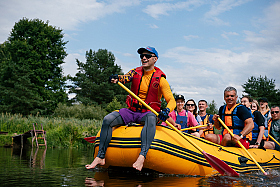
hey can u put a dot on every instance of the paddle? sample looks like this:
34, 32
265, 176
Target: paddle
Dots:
195, 127
240, 144
216, 163
273, 139
90, 139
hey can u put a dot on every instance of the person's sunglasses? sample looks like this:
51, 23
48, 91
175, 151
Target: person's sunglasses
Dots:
146, 55
276, 112
189, 104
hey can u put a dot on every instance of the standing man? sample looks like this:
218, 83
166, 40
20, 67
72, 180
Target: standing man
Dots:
207, 119
149, 84
274, 129
237, 117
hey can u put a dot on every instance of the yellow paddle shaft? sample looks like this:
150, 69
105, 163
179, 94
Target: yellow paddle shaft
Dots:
240, 144
273, 139
195, 127
152, 110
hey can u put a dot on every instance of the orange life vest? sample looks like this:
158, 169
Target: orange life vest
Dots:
235, 124
152, 94
268, 129
207, 131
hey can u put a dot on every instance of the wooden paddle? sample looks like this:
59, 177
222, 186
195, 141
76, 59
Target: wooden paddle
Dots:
195, 127
240, 144
273, 139
216, 163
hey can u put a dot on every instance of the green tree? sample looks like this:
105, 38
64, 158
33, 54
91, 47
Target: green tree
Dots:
163, 102
212, 108
91, 84
30, 71
262, 87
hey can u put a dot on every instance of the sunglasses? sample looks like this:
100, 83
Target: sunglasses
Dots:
189, 104
146, 55
276, 112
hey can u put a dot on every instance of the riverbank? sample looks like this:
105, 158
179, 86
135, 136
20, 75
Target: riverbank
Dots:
60, 132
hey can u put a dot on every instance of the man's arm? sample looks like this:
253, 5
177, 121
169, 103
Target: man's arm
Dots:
170, 120
259, 119
127, 77
167, 94
249, 125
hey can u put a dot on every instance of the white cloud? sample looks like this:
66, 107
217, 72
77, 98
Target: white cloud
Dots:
70, 66
205, 73
153, 26
227, 34
219, 7
269, 37
66, 14
159, 9
128, 55
189, 37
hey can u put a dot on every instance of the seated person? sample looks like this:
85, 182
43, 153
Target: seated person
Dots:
207, 119
264, 108
273, 129
237, 117
259, 124
180, 118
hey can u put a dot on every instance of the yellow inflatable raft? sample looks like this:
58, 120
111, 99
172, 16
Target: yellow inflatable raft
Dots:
172, 154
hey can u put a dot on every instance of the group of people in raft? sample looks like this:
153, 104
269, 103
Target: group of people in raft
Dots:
249, 122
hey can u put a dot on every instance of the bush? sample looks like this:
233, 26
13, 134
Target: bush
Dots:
79, 111
114, 105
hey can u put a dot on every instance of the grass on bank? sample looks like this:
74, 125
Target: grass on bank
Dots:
67, 127
60, 132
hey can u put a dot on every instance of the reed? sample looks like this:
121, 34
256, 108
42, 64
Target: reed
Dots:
61, 132
79, 111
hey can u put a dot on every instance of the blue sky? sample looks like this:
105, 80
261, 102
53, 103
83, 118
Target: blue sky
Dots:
204, 46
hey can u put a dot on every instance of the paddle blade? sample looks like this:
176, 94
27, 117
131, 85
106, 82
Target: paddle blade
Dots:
220, 165
90, 139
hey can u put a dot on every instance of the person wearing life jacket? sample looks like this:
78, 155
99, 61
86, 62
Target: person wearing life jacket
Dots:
149, 84
255, 105
264, 108
259, 124
207, 119
237, 117
273, 129
181, 118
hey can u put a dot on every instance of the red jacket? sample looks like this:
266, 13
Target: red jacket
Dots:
152, 94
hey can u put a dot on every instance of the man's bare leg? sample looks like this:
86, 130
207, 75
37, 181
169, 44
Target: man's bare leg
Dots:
96, 161
139, 163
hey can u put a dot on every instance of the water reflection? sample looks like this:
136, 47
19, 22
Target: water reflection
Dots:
34, 156
93, 182
129, 177
65, 167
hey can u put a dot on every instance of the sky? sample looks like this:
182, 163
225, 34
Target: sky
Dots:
204, 46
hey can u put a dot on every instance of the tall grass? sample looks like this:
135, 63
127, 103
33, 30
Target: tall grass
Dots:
60, 132
79, 111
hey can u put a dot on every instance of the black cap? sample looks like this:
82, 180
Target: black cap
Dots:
179, 97
264, 99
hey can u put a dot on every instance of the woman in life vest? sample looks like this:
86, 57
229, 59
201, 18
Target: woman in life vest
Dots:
259, 124
181, 118
191, 106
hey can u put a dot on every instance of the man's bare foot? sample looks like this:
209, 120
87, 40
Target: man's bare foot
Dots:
139, 163
95, 162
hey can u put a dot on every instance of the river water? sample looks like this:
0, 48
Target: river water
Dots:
65, 167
